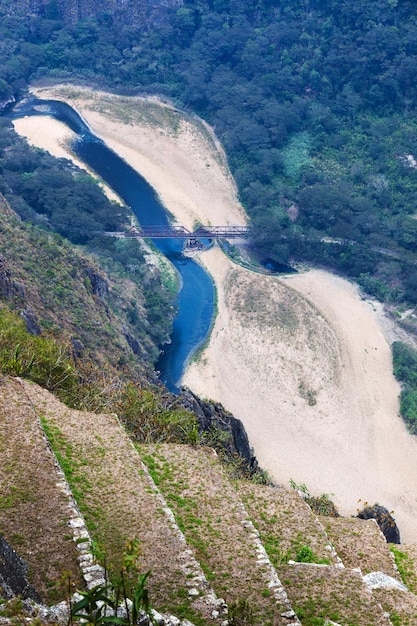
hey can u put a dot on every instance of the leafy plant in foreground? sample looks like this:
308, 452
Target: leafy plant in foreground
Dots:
93, 606
100, 604
121, 603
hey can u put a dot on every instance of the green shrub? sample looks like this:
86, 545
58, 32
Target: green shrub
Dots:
405, 363
40, 359
148, 418
322, 505
305, 555
404, 359
408, 408
240, 613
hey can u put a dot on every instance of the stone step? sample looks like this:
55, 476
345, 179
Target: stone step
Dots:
34, 508
209, 510
360, 544
331, 593
288, 528
401, 606
121, 504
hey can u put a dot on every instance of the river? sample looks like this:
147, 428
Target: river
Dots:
195, 300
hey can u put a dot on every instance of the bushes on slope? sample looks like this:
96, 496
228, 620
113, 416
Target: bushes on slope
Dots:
405, 370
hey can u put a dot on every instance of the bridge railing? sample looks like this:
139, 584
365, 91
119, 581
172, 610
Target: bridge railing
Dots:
180, 232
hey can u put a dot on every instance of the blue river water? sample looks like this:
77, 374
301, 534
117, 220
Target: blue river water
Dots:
195, 300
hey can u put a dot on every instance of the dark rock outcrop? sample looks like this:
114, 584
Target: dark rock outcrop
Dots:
9, 288
13, 572
226, 429
133, 343
99, 285
31, 322
77, 348
384, 520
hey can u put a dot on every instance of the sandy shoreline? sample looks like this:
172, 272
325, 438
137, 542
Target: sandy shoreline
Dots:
302, 361
55, 137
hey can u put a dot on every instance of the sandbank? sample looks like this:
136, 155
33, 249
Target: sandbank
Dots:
176, 153
302, 361
55, 137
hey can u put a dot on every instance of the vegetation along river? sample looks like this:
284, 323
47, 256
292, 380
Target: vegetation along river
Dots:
195, 300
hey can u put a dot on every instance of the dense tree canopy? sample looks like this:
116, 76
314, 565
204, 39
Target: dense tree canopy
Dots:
314, 102
57, 196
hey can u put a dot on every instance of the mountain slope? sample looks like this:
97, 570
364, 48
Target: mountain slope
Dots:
63, 291
219, 523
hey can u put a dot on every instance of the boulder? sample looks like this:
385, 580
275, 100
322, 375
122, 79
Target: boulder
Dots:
379, 580
13, 570
384, 520
31, 322
231, 435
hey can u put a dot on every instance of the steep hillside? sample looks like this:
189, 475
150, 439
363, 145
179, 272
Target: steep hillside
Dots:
59, 289
212, 544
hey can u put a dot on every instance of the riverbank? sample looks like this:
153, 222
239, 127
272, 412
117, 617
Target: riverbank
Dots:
55, 137
178, 155
302, 361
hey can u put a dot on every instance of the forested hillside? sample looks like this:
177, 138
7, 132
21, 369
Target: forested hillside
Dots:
314, 102
123, 297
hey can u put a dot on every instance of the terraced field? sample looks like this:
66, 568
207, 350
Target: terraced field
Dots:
210, 542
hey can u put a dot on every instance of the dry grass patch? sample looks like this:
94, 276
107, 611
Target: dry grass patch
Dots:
360, 543
401, 605
286, 524
34, 512
319, 592
115, 496
209, 512
306, 357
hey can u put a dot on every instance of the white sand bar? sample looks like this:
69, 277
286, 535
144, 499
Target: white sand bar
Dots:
55, 137
311, 379
302, 361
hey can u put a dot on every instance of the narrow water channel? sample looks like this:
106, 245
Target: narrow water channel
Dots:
195, 300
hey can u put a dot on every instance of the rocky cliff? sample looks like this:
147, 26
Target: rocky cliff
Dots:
134, 12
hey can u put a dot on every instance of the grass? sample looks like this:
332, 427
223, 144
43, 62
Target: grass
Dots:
33, 510
196, 488
72, 464
359, 543
333, 594
286, 526
406, 567
116, 498
207, 510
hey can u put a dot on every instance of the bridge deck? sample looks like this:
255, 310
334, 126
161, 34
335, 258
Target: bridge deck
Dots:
179, 232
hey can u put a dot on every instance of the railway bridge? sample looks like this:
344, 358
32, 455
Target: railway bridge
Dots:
180, 232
